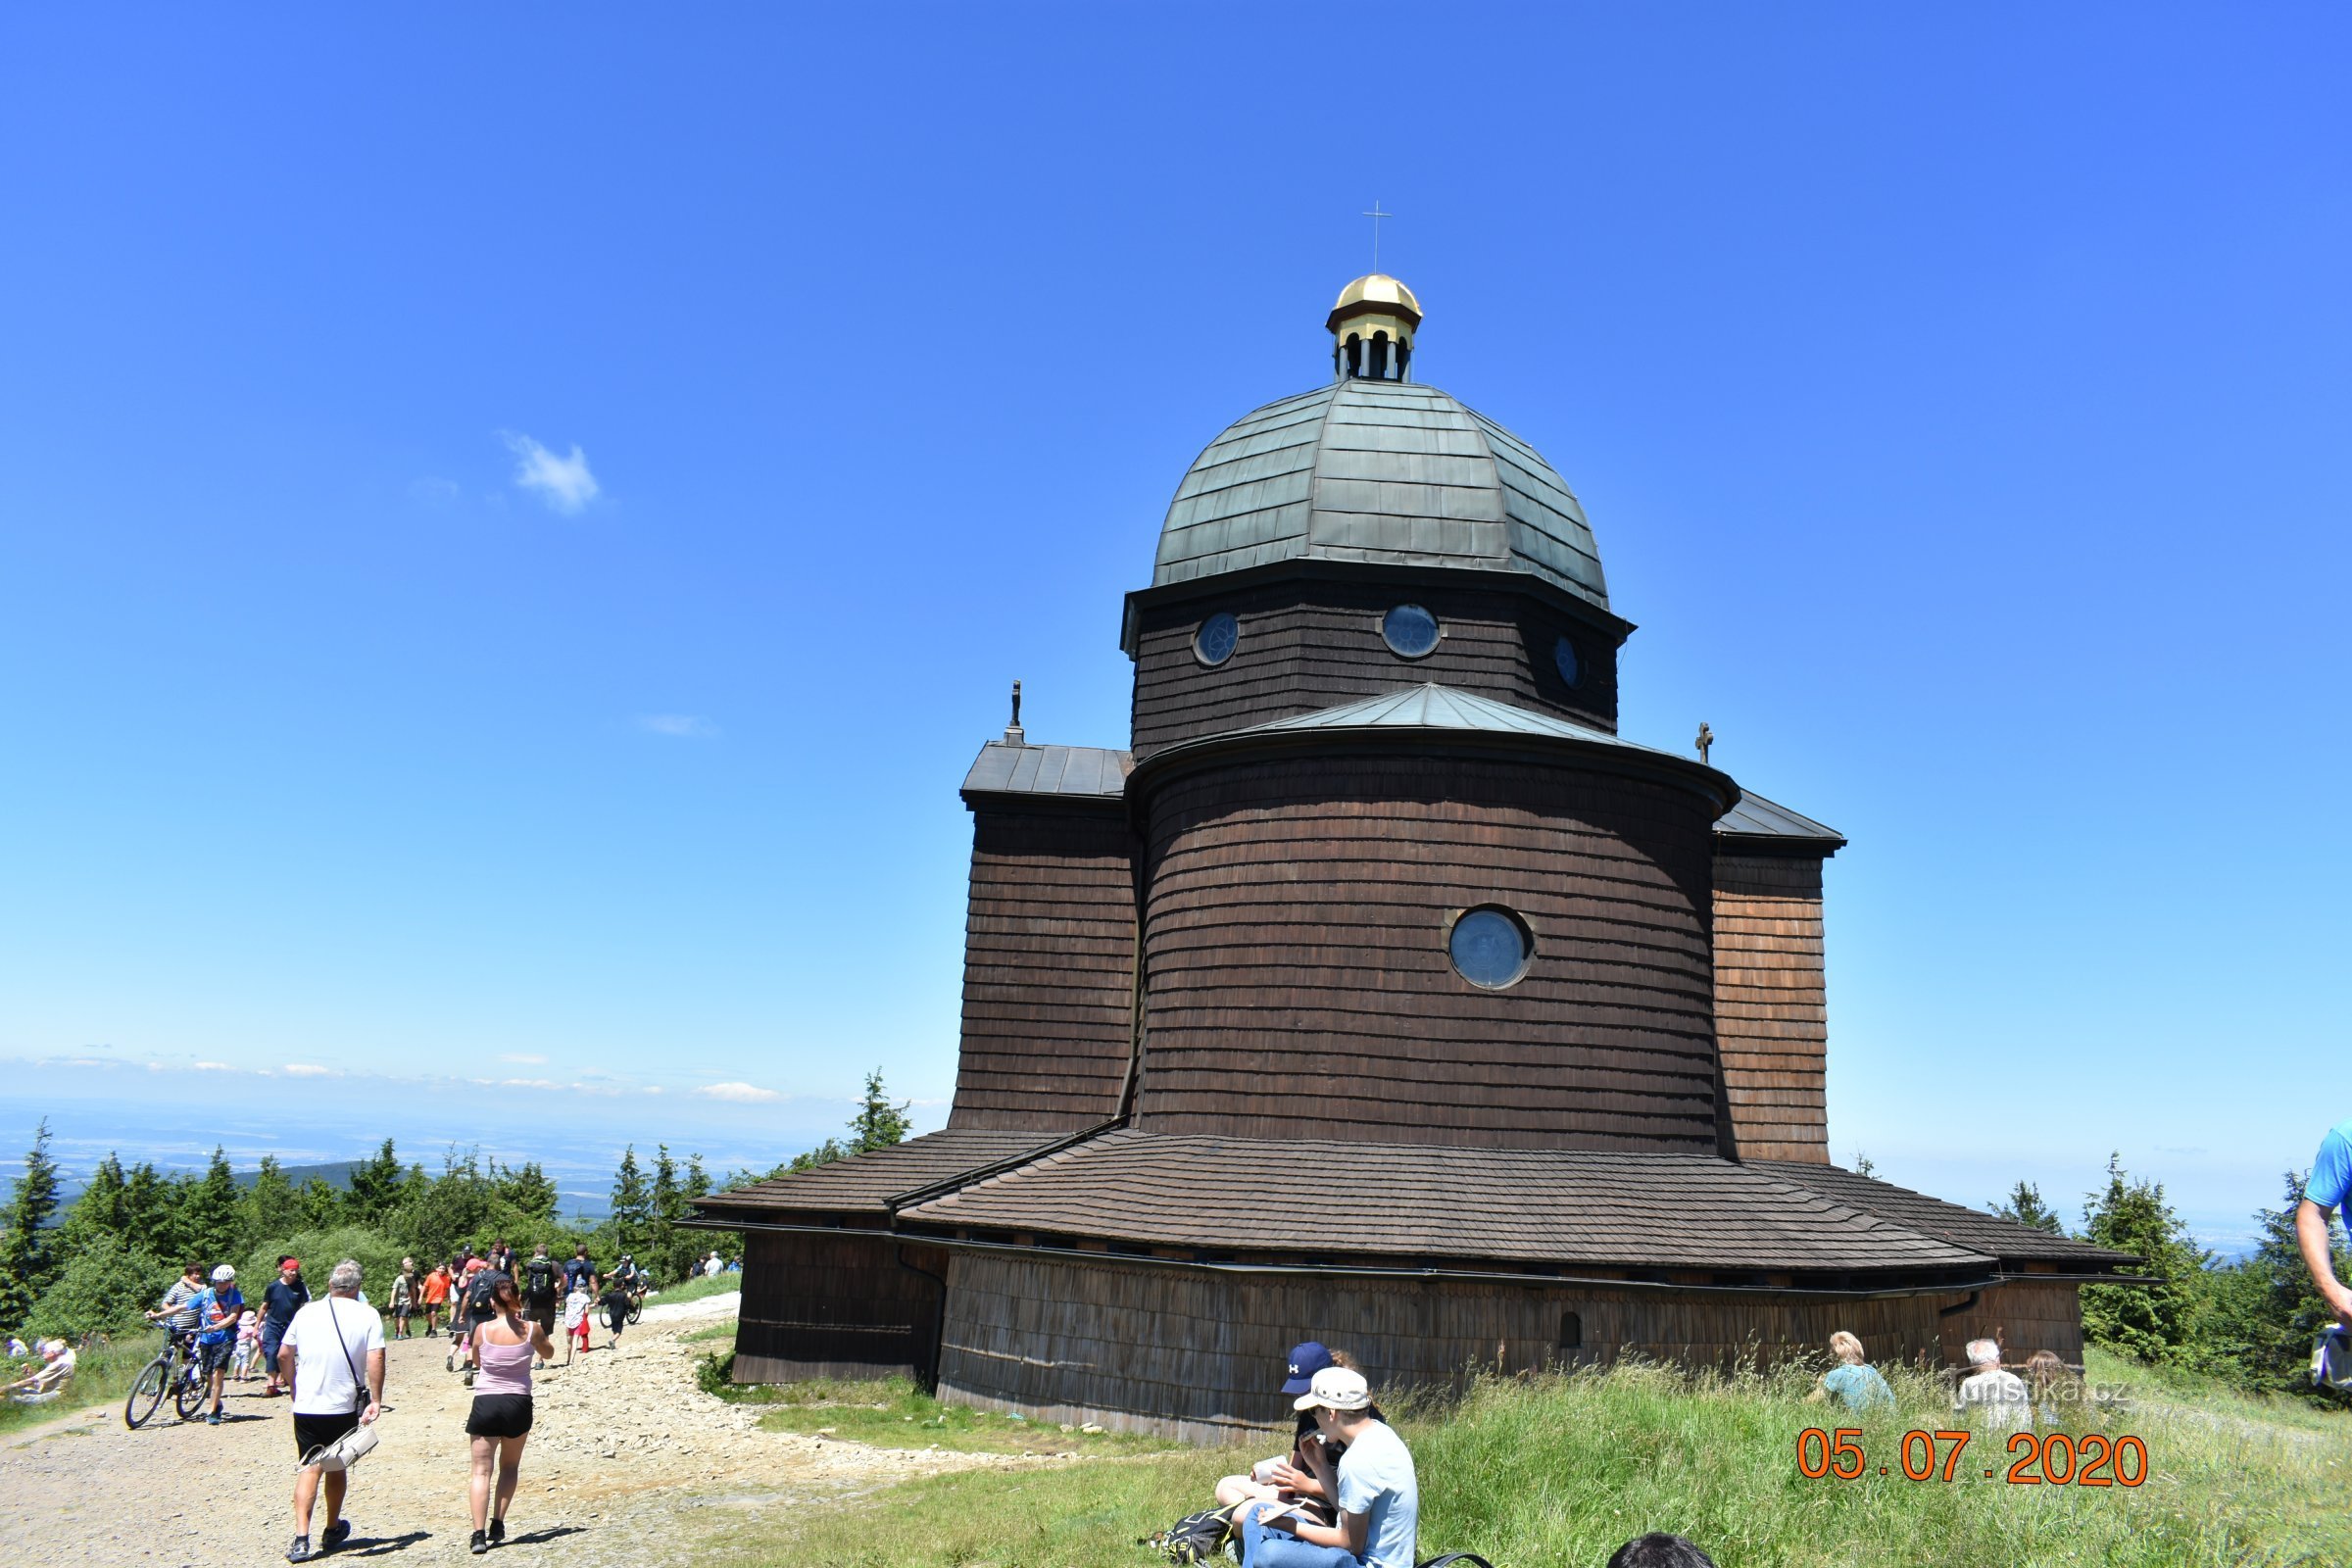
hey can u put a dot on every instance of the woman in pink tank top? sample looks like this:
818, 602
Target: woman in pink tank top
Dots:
501, 1350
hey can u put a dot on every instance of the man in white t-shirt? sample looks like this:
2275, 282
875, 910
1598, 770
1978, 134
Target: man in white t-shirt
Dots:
1378, 1495
333, 1358
1998, 1400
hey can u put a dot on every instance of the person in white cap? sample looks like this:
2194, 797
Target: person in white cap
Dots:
1378, 1495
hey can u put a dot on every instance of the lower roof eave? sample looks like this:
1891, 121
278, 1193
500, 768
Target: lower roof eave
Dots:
1851, 1285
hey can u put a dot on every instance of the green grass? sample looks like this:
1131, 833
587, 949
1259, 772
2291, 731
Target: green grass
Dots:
694, 1290
892, 1413
717, 1331
1560, 1471
102, 1376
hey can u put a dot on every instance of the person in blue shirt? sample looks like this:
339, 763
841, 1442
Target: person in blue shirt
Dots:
218, 1310
1853, 1382
1373, 1484
2329, 1184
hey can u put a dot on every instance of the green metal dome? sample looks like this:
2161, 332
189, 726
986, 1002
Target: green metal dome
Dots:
1389, 471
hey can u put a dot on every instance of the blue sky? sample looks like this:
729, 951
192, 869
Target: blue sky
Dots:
512, 526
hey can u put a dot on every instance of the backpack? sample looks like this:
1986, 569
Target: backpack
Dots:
1196, 1537
541, 1274
477, 1295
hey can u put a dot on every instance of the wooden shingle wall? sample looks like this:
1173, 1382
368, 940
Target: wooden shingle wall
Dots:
1198, 1356
2025, 1315
1307, 645
844, 1305
1297, 977
1049, 970
1771, 1004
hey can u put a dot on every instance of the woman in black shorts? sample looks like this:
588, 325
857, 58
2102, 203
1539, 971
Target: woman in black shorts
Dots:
502, 1350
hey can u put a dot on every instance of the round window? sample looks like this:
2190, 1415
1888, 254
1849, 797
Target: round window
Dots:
1409, 630
1490, 948
1563, 654
1215, 642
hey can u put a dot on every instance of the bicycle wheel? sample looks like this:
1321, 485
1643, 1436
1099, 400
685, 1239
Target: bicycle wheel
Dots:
636, 1308
188, 1391
145, 1395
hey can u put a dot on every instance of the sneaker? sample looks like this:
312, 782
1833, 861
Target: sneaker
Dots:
213, 1420
334, 1534
300, 1551
478, 1546
498, 1531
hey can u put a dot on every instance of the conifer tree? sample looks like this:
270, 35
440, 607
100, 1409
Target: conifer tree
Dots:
2256, 1319
2149, 1321
878, 1123
272, 1208
375, 1185
98, 1216
632, 1205
151, 1213
318, 1205
28, 1250
211, 1218
2026, 1208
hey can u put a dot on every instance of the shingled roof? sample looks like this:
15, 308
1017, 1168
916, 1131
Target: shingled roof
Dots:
864, 1183
1518, 1206
1931, 1217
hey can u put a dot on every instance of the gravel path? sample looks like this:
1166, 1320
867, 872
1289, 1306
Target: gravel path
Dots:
629, 1463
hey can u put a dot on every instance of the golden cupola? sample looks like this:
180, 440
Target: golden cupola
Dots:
1372, 329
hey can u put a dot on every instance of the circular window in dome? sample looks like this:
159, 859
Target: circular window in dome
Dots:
1490, 946
1410, 631
1215, 641
1563, 657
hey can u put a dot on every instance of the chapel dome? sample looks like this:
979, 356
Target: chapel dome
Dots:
1389, 471
1377, 290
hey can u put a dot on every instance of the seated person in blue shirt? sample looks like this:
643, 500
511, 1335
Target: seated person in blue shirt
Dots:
2331, 1183
1378, 1496
1853, 1382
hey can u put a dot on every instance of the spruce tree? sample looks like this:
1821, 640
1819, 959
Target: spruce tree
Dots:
2149, 1321
212, 1220
151, 1214
272, 1208
29, 1258
2026, 1208
878, 1123
632, 1205
375, 1185
98, 1217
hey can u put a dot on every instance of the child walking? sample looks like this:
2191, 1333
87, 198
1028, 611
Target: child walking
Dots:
579, 1313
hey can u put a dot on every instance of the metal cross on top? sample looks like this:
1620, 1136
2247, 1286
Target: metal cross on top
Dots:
1376, 215
1706, 740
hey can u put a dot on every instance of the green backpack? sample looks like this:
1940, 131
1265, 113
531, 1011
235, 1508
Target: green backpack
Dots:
1196, 1537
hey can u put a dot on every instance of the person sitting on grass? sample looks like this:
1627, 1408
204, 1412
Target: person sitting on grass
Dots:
2051, 1386
1997, 1398
1853, 1382
1658, 1550
56, 1371
1373, 1484
1261, 1484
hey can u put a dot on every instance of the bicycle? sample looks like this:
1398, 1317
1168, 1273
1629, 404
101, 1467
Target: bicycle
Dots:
176, 1370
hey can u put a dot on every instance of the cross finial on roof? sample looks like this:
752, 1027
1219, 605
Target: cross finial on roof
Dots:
1706, 740
1013, 735
1376, 215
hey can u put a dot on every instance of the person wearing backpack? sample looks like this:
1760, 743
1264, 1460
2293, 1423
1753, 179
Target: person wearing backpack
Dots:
542, 1281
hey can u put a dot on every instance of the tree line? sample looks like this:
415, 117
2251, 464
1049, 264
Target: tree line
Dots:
2250, 1321
95, 1265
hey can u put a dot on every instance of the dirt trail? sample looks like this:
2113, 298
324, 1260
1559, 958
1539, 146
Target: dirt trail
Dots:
629, 1463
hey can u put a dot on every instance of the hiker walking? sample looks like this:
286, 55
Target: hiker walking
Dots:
332, 1357
503, 1351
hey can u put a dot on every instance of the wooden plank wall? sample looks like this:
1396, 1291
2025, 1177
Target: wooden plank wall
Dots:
1308, 644
2025, 1315
1295, 935
1049, 970
816, 1305
1198, 1356
1772, 1006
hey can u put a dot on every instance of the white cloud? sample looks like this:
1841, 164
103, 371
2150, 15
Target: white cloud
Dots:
741, 1094
524, 1058
214, 1067
563, 483
527, 1083
304, 1069
677, 726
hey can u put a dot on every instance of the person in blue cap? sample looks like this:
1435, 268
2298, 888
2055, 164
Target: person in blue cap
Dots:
1286, 1477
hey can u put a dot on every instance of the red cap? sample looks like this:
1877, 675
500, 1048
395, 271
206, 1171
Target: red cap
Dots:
291, 1262
474, 1266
